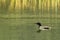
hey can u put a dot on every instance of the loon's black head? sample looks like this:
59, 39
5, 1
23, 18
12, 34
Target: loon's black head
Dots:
39, 24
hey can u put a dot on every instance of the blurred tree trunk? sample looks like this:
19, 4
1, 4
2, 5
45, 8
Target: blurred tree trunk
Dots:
37, 6
7, 4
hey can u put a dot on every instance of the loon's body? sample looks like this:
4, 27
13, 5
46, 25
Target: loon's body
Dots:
44, 28
40, 27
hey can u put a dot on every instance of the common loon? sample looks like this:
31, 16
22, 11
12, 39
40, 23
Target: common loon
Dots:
40, 27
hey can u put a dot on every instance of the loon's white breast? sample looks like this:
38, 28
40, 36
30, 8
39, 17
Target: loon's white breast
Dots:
44, 28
